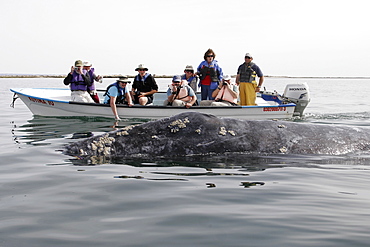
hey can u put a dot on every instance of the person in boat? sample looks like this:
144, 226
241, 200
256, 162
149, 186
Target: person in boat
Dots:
190, 77
226, 94
78, 83
210, 74
93, 78
180, 94
246, 80
117, 93
144, 87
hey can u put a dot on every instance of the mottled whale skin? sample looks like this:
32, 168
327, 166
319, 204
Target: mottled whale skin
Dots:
193, 133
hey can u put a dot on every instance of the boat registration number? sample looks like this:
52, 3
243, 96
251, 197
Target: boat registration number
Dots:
41, 101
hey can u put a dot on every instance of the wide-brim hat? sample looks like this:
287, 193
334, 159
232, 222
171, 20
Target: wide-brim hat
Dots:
248, 55
87, 63
123, 79
141, 66
78, 63
226, 77
189, 68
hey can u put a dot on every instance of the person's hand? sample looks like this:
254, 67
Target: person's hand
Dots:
188, 105
72, 69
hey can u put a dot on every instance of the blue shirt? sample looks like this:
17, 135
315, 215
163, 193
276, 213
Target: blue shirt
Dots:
113, 92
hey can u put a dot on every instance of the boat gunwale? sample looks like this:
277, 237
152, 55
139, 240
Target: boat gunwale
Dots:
140, 106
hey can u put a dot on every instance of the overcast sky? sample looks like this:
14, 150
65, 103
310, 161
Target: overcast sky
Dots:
285, 37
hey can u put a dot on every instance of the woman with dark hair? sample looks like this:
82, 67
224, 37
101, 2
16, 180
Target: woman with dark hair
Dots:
210, 73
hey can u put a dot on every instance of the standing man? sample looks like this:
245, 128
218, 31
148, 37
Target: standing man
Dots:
144, 86
78, 83
246, 79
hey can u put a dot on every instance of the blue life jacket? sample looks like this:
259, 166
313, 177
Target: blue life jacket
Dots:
120, 99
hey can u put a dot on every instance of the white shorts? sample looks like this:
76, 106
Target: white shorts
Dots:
81, 96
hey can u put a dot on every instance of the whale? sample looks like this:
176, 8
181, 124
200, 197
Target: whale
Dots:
197, 134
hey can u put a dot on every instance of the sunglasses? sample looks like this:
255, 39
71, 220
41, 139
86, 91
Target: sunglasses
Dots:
189, 71
210, 56
141, 69
248, 57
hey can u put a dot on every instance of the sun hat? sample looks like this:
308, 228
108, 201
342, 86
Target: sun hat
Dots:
227, 77
189, 67
141, 66
78, 63
123, 79
87, 63
176, 78
248, 55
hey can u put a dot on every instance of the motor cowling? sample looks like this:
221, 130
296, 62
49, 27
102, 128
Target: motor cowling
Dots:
298, 94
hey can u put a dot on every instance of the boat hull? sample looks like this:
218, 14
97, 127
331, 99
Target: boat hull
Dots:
55, 102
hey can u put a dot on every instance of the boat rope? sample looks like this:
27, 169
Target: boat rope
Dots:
15, 97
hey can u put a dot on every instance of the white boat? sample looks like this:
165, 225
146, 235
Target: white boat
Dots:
56, 102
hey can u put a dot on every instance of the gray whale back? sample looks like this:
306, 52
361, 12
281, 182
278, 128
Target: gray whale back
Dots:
201, 134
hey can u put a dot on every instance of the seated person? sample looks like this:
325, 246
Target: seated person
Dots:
117, 93
190, 77
144, 87
226, 94
180, 94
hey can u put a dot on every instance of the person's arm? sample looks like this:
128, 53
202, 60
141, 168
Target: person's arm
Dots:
171, 94
129, 99
87, 79
192, 101
237, 79
147, 93
114, 107
68, 79
260, 81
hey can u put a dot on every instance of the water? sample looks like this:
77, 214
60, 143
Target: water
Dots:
49, 199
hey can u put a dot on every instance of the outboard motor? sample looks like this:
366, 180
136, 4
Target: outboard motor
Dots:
298, 94
294, 93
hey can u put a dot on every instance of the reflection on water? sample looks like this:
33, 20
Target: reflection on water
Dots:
40, 129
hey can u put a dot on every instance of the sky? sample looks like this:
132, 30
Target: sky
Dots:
285, 37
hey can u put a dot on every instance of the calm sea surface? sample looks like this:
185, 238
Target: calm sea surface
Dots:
48, 199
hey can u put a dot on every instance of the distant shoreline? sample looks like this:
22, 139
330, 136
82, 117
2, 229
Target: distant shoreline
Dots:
170, 76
